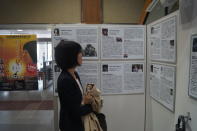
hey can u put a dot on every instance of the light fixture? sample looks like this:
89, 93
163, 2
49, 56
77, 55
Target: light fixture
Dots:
19, 30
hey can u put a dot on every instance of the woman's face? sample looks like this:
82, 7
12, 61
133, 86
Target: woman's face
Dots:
79, 58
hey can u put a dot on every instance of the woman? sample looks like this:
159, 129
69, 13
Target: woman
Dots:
68, 56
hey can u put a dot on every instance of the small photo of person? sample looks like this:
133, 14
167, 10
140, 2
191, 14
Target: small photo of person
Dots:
137, 68
152, 30
105, 68
172, 44
118, 39
56, 32
194, 45
151, 68
125, 55
89, 51
105, 31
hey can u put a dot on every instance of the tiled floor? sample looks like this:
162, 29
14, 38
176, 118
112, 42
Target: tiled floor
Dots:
34, 120
29, 118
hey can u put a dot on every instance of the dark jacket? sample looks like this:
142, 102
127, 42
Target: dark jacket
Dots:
70, 98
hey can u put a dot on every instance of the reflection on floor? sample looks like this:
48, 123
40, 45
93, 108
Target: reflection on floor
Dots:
27, 110
26, 105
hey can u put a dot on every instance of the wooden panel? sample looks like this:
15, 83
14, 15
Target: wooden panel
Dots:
144, 13
91, 11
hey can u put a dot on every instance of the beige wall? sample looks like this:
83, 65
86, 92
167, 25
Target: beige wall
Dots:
66, 11
40, 11
122, 11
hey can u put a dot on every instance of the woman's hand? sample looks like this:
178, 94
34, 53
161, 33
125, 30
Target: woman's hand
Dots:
87, 99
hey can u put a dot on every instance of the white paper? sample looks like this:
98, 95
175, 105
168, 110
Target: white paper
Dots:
162, 84
87, 37
122, 77
89, 73
163, 41
122, 42
193, 68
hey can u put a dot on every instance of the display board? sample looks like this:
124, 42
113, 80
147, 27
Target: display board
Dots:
192, 91
162, 52
162, 84
87, 36
162, 42
122, 77
122, 42
18, 62
127, 52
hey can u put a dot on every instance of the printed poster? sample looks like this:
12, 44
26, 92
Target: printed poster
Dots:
122, 42
18, 62
87, 37
122, 77
163, 41
163, 84
193, 68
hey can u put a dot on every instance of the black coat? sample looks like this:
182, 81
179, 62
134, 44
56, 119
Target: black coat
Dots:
70, 97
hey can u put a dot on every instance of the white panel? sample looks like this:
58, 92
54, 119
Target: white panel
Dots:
160, 118
184, 103
124, 112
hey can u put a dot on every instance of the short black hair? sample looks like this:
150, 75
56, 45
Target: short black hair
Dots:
66, 53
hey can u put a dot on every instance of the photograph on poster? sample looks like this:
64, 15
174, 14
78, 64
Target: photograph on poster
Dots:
192, 91
105, 32
172, 44
56, 32
194, 48
105, 68
89, 51
152, 30
118, 39
151, 68
137, 68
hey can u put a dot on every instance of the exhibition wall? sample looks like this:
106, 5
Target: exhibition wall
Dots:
158, 117
184, 103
